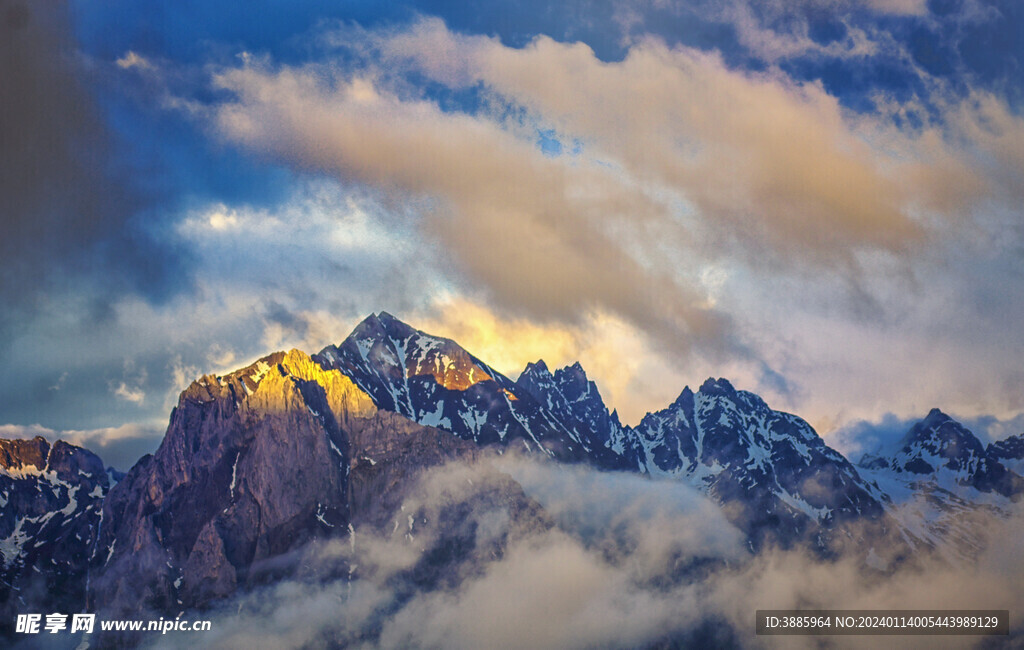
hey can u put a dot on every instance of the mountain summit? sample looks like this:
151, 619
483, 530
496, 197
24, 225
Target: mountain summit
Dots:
940, 449
435, 382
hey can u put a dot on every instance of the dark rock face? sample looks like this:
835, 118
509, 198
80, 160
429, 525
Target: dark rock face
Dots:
51, 498
1011, 448
21, 454
388, 453
253, 465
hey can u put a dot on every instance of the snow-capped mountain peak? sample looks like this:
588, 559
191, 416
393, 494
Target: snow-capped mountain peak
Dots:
390, 360
719, 386
938, 446
435, 382
937, 479
940, 450
1009, 452
573, 399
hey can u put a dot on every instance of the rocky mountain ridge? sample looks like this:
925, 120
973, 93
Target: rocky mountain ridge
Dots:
295, 449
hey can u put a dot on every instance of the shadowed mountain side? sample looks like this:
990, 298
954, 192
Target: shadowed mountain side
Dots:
253, 465
388, 452
51, 497
1009, 452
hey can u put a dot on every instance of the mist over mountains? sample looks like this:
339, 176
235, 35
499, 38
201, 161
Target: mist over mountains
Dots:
394, 490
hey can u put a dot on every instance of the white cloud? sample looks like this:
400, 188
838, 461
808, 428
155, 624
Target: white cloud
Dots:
900, 7
133, 60
729, 222
800, 179
130, 389
496, 194
610, 573
60, 381
130, 394
548, 592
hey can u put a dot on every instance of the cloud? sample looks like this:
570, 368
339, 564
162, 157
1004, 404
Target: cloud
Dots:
547, 593
133, 60
581, 584
516, 581
599, 507
711, 210
904, 353
628, 562
487, 191
995, 134
60, 381
630, 221
131, 388
327, 254
902, 7
793, 581
68, 216
134, 395
991, 429
800, 180
881, 437
805, 179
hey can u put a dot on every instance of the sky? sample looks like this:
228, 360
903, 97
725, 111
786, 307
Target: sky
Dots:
818, 200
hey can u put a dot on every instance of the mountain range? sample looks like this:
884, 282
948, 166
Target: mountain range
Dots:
295, 451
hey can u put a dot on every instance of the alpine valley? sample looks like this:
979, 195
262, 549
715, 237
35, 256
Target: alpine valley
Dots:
395, 477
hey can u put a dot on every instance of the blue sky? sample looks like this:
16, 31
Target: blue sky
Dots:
817, 199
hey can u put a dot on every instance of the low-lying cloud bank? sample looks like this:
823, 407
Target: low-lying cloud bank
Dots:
608, 561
